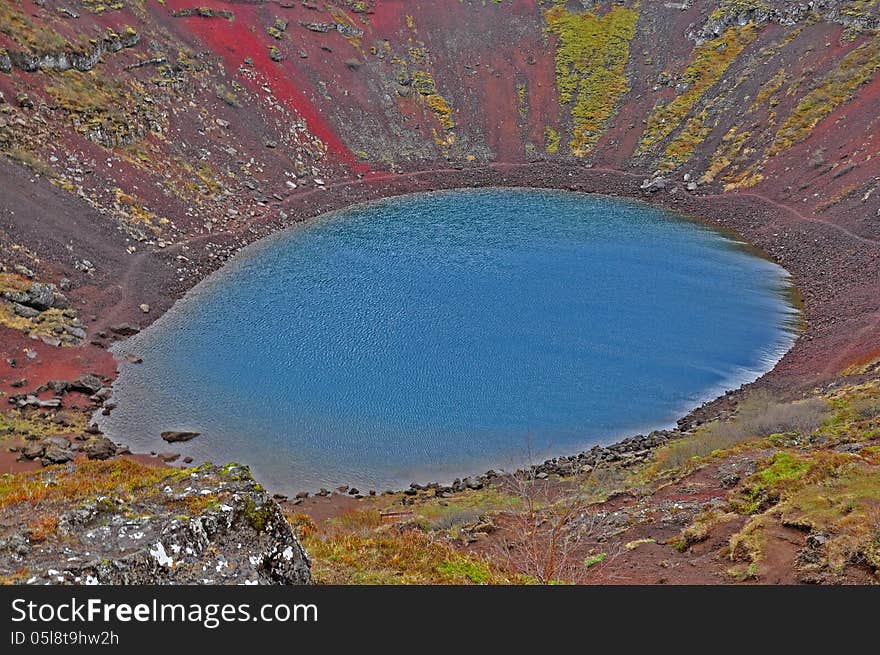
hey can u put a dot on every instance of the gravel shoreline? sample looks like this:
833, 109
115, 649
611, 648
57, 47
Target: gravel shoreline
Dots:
835, 306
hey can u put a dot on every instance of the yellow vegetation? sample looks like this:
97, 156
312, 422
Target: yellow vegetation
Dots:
836, 88
591, 56
709, 62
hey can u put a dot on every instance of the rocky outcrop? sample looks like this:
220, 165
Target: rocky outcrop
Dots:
240, 536
203, 12
50, 450
99, 447
736, 13
48, 313
66, 60
40, 297
342, 28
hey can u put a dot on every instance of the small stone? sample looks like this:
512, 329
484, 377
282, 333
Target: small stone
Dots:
124, 329
145, 308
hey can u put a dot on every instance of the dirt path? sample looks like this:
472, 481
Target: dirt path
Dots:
797, 214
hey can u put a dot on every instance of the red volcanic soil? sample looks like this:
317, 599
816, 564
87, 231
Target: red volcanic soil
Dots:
637, 534
9, 463
50, 363
237, 39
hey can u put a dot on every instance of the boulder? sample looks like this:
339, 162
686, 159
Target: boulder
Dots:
99, 447
33, 450
58, 386
124, 329
24, 311
655, 184
56, 450
174, 436
76, 332
87, 383
42, 296
102, 394
33, 401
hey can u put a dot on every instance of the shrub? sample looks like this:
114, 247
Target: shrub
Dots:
757, 417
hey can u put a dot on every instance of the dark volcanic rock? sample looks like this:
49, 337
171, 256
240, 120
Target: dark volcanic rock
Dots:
55, 454
87, 383
99, 447
58, 386
174, 436
124, 329
50, 450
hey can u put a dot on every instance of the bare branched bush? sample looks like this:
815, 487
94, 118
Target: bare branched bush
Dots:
761, 416
547, 538
866, 408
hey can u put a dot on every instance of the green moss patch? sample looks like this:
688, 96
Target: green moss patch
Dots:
591, 56
836, 88
709, 61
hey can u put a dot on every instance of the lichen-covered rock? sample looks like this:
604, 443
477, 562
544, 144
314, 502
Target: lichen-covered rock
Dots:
41, 296
64, 60
209, 525
732, 13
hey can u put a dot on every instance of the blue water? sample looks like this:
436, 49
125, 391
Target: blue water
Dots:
431, 336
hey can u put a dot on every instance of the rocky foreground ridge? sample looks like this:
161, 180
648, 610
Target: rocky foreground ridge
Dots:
126, 523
